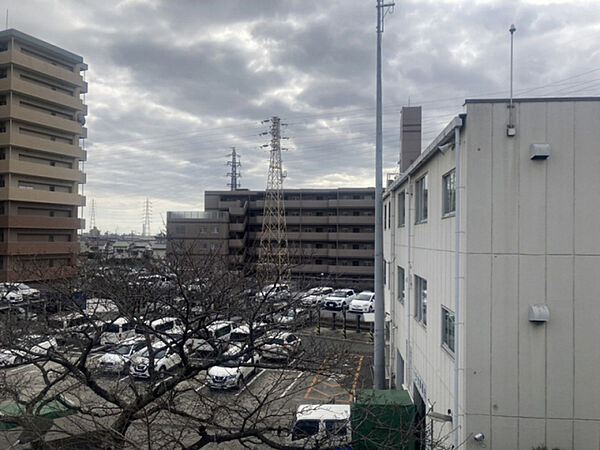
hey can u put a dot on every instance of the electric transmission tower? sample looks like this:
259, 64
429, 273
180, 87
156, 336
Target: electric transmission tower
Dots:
235, 172
147, 217
93, 215
273, 254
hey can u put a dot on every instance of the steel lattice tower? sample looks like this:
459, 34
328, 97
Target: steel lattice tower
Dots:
235, 173
273, 254
93, 215
147, 218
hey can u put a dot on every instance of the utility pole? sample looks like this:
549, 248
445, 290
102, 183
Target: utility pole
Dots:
273, 253
379, 338
234, 184
147, 217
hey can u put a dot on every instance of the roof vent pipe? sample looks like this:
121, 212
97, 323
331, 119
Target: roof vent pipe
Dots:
511, 130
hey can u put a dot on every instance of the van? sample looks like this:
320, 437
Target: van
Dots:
117, 331
325, 425
215, 339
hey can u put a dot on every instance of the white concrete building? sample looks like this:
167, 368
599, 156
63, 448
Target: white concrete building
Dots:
529, 217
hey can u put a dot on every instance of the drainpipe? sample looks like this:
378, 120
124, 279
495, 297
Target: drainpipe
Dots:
407, 279
457, 126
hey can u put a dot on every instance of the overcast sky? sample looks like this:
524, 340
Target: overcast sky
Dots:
173, 85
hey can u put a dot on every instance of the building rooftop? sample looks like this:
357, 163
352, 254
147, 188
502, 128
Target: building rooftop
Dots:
11, 32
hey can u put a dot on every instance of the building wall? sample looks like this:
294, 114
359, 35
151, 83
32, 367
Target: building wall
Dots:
330, 232
40, 128
528, 238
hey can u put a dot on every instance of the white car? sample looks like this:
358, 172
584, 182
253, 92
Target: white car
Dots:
275, 292
363, 303
10, 296
280, 345
316, 295
234, 371
118, 358
339, 299
165, 359
26, 348
22, 289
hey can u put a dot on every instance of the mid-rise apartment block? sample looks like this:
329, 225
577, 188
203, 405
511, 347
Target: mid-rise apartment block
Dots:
41, 124
527, 272
330, 232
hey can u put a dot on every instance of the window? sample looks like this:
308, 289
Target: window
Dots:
400, 275
401, 212
385, 216
421, 300
449, 193
448, 329
421, 199
385, 271
215, 230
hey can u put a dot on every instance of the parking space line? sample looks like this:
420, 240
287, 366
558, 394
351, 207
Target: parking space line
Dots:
287, 389
250, 382
18, 369
315, 379
124, 378
356, 377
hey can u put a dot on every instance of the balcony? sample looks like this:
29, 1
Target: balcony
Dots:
41, 170
43, 145
237, 243
39, 196
350, 203
38, 248
37, 65
352, 220
37, 117
354, 236
45, 222
37, 274
41, 92
238, 227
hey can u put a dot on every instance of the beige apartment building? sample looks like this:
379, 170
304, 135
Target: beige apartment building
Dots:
330, 231
41, 123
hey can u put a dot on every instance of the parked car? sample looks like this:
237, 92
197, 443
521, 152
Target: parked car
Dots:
7, 296
232, 372
363, 302
27, 348
322, 425
316, 295
118, 358
166, 358
117, 331
26, 292
280, 345
339, 299
275, 292
292, 318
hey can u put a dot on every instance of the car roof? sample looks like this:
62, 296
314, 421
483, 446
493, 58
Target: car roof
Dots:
366, 293
323, 412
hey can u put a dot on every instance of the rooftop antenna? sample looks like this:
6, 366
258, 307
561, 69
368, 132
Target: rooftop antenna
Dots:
511, 130
235, 170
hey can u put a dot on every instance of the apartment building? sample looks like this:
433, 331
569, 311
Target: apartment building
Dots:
41, 122
330, 232
527, 269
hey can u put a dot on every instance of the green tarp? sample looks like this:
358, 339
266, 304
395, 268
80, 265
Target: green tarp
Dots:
53, 409
383, 419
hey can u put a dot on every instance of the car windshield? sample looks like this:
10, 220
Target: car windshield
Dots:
122, 349
157, 355
235, 362
305, 428
239, 337
363, 297
112, 328
274, 341
339, 294
336, 427
23, 286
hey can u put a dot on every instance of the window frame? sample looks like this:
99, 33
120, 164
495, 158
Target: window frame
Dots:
401, 284
447, 329
401, 209
420, 311
446, 212
422, 199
